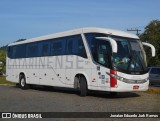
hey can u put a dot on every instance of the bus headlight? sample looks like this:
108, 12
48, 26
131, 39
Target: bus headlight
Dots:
131, 81
121, 78
117, 77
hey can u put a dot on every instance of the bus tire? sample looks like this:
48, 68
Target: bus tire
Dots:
22, 82
83, 87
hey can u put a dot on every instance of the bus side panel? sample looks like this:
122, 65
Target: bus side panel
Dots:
11, 75
76, 65
11, 70
50, 71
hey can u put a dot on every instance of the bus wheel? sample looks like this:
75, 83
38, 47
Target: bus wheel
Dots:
83, 87
22, 83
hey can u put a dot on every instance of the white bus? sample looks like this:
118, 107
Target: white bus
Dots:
85, 59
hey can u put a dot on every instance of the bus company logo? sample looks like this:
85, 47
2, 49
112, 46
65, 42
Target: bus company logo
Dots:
6, 115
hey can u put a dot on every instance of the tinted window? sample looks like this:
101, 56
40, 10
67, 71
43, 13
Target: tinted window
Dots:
14, 52
75, 46
103, 48
44, 48
20, 51
72, 45
100, 49
17, 51
58, 46
32, 50
92, 45
9, 52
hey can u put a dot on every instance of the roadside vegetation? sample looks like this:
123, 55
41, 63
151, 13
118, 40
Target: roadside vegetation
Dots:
154, 90
151, 35
2, 61
4, 81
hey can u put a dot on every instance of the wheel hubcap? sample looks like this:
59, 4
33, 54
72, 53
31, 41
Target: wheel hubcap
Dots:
22, 82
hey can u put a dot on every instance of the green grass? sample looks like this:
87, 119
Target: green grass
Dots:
4, 81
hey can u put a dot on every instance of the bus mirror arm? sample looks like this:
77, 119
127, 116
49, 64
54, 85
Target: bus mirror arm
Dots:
112, 42
152, 48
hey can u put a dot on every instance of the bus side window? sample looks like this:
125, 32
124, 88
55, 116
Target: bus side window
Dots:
58, 47
32, 50
103, 51
70, 47
81, 49
44, 49
9, 52
14, 52
92, 45
21, 51
75, 46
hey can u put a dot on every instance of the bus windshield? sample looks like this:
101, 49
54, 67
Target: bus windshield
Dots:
130, 56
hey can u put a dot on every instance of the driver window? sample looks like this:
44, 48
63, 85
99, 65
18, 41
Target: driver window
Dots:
103, 52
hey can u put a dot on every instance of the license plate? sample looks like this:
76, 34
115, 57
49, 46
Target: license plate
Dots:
135, 87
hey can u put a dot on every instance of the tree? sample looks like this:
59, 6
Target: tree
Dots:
152, 36
3, 60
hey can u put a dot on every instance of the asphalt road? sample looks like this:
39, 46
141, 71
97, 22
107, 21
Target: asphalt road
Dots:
63, 100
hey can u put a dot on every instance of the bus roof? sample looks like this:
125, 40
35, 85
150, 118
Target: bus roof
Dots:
79, 31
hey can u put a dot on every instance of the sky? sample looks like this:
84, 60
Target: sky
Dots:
24, 19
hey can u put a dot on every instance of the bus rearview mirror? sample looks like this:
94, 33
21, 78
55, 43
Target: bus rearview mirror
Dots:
112, 42
153, 50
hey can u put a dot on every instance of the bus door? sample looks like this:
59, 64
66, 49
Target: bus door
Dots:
103, 59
